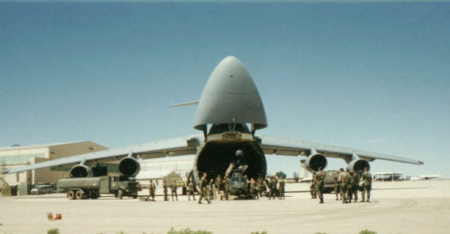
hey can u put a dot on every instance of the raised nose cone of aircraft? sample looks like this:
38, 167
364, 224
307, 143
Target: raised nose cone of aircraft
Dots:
230, 96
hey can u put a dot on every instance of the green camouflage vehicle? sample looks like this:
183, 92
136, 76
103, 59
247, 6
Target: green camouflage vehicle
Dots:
92, 187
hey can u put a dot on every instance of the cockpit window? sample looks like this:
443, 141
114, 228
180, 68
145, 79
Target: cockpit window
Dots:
220, 128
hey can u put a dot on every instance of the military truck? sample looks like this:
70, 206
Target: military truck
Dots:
92, 187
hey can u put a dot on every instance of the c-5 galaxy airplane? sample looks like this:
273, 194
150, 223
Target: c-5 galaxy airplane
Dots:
229, 113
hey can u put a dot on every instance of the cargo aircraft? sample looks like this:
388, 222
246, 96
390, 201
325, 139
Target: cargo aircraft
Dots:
229, 113
426, 177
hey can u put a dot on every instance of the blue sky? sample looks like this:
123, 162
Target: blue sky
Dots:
370, 76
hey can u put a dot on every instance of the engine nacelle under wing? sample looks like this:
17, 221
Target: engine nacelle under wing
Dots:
80, 170
314, 161
358, 165
129, 166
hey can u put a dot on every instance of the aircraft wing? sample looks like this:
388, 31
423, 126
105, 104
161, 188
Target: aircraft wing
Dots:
158, 149
288, 147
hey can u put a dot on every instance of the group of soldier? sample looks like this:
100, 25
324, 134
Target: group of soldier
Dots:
272, 188
173, 189
346, 185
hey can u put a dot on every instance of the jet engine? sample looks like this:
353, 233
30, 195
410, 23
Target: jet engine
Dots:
129, 166
314, 161
81, 171
358, 165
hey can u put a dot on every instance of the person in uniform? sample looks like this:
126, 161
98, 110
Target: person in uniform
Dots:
165, 191
351, 181
203, 186
219, 183
337, 185
319, 183
254, 189
261, 186
355, 185
273, 187
344, 177
191, 190
211, 189
312, 186
226, 187
152, 189
173, 189
281, 185
366, 182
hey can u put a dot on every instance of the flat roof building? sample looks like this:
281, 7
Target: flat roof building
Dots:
17, 156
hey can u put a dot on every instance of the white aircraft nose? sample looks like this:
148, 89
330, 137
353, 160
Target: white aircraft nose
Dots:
230, 95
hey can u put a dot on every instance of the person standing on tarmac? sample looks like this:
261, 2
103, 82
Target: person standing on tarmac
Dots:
354, 185
219, 184
319, 183
254, 189
191, 190
312, 186
261, 186
351, 181
211, 189
173, 189
281, 185
366, 182
337, 185
165, 191
152, 189
344, 178
203, 185
273, 187
226, 187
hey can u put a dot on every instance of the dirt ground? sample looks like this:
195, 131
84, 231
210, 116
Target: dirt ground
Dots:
396, 207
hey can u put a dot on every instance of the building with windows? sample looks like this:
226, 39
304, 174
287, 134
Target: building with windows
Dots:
17, 156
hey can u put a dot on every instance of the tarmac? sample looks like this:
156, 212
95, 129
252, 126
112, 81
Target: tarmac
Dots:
395, 207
